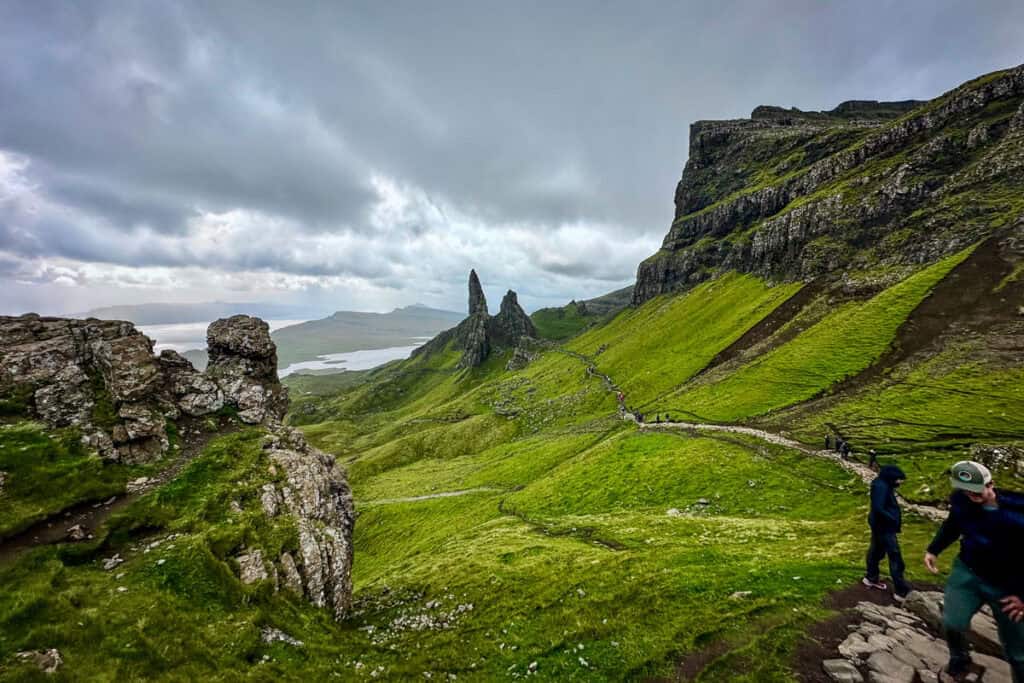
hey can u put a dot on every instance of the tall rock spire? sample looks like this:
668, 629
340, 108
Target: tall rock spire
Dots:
511, 323
477, 301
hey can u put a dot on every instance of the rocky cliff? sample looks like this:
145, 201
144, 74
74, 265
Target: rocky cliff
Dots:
480, 333
789, 194
101, 376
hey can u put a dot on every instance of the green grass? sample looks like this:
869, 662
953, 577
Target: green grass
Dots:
323, 384
652, 349
48, 472
926, 416
562, 545
560, 323
842, 344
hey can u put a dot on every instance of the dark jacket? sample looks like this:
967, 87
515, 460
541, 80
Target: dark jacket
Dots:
991, 541
885, 516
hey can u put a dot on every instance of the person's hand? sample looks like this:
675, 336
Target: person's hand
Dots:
1013, 607
929, 561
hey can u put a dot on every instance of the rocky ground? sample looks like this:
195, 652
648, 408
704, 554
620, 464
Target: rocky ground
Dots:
879, 641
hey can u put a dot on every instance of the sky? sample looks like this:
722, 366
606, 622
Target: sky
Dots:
366, 155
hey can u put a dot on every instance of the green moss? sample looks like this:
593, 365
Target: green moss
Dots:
841, 345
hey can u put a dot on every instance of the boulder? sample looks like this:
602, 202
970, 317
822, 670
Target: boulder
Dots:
48, 661
251, 567
841, 671
243, 364
927, 605
886, 664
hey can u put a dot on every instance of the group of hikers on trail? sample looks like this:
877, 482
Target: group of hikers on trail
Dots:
658, 418
843, 448
989, 524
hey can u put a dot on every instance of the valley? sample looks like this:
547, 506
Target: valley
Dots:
849, 273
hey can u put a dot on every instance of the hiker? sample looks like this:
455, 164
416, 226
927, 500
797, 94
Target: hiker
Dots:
990, 525
873, 460
885, 521
828, 442
845, 451
839, 444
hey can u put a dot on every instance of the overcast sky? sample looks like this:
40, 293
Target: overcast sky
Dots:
366, 155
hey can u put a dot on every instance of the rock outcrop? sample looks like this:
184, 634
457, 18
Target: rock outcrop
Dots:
243, 364
511, 324
803, 195
892, 643
315, 493
480, 333
101, 376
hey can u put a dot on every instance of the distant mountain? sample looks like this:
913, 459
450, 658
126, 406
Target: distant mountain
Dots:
353, 330
170, 314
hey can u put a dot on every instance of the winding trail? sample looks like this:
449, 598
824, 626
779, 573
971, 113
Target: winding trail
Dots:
430, 496
865, 473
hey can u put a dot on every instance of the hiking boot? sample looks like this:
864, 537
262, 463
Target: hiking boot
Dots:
879, 585
954, 674
900, 598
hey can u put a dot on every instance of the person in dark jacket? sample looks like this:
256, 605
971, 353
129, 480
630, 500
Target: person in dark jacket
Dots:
990, 525
886, 521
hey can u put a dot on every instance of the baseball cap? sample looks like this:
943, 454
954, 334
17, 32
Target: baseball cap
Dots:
970, 476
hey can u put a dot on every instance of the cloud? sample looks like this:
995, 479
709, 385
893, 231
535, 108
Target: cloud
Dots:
385, 149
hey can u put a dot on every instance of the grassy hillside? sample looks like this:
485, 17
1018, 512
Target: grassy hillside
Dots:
510, 522
653, 349
843, 343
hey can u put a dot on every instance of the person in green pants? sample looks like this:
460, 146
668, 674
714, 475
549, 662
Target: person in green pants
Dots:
990, 525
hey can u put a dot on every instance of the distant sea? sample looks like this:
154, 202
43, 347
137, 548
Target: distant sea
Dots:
184, 336
354, 360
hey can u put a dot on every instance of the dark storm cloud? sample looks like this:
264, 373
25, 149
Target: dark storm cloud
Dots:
135, 119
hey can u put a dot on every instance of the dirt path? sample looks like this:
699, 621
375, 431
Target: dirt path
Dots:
431, 496
91, 515
865, 473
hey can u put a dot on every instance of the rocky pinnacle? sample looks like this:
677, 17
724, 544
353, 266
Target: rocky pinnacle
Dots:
477, 301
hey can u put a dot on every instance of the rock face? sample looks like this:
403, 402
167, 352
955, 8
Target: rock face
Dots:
803, 195
313, 491
101, 376
480, 333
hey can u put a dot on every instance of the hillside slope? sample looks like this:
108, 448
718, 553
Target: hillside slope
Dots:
514, 520
592, 549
